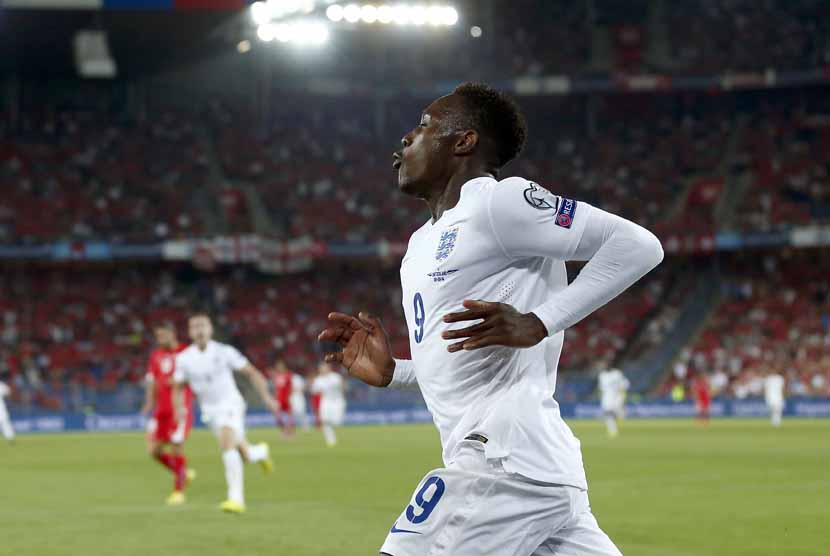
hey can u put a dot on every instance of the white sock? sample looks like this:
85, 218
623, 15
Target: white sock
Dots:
776, 417
611, 424
233, 475
257, 452
328, 433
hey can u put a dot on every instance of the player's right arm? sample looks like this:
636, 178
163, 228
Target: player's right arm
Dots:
528, 221
366, 353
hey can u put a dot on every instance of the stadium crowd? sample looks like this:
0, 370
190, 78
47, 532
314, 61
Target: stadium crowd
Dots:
84, 175
64, 340
773, 316
663, 163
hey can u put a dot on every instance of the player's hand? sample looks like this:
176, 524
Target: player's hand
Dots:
366, 352
501, 325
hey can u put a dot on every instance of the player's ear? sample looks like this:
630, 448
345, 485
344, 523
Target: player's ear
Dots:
466, 143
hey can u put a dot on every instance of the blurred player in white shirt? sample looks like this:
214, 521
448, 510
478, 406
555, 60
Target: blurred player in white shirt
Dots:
613, 387
487, 299
5, 420
329, 385
774, 396
297, 401
208, 367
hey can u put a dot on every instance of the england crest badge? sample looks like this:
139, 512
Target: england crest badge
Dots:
446, 243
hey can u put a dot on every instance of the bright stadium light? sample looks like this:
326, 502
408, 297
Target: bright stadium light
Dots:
385, 14
369, 13
301, 33
243, 46
475, 31
284, 33
436, 15
260, 13
275, 8
335, 12
351, 13
418, 15
266, 32
400, 14
313, 33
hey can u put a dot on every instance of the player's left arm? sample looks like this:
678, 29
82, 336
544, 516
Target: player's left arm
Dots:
260, 385
619, 252
149, 395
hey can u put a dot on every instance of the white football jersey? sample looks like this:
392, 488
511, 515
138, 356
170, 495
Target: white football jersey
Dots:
503, 242
4, 390
210, 374
612, 386
774, 389
297, 385
329, 386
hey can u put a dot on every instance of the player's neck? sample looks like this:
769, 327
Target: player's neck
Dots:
202, 347
447, 196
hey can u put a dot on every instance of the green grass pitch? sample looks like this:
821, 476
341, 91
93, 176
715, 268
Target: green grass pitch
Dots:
666, 488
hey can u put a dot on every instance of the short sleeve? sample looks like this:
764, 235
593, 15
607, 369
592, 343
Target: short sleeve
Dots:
234, 358
528, 220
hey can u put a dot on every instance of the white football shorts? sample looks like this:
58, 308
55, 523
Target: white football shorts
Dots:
232, 416
474, 507
332, 412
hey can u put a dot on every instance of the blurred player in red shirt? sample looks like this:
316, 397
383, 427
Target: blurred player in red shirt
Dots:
703, 398
163, 428
283, 386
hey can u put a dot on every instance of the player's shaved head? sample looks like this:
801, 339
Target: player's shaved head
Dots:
496, 117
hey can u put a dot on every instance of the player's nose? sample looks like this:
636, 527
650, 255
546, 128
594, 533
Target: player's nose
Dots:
406, 140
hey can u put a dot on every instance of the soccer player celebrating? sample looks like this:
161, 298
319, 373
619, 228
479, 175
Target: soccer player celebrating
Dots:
612, 387
329, 385
486, 298
166, 428
208, 367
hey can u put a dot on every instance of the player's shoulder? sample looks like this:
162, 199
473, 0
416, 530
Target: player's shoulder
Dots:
186, 352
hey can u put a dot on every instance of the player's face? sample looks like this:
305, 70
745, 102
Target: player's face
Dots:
200, 329
427, 154
165, 336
